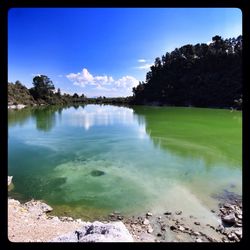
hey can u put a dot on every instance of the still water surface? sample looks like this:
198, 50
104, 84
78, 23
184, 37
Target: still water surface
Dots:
88, 161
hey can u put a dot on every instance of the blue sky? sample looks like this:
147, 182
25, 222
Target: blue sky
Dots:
105, 51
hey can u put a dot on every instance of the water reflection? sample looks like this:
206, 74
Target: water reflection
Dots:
213, 136
19, 117
209, 135
75, 115
99, 115
45, 118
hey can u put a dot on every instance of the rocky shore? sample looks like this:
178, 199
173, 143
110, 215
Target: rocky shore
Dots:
173, 227
31, 222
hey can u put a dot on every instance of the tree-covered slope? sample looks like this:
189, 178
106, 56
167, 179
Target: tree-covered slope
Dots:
196, 75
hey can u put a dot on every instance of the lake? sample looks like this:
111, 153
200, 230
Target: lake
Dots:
88, 161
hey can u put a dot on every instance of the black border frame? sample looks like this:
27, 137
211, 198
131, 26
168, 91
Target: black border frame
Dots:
5, 5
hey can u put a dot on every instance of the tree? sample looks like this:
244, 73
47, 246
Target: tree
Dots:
43, 87
59, 92
18, 83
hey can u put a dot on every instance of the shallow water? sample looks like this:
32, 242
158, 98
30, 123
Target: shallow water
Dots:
88, 161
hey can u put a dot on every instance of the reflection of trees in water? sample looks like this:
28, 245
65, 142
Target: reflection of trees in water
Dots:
194, 134
18, 116
76, 106
45, 118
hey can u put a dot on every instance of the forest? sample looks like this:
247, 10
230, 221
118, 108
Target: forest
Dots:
201, 75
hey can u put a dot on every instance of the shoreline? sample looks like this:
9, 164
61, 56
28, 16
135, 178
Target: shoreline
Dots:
125, 104
40, 226
170, 226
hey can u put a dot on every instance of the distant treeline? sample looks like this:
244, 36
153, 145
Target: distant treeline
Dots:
44, 93
198, 75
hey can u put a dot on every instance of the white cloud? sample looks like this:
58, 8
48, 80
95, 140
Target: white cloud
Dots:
81, 79
142, 60
106, 84
144, 66
104, 80
126, 82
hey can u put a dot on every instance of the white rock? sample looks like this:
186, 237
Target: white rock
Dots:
198, 240
13, 202
232, 236
196, 233
98, 232
181, 228
146, 221
238, 232
55, 219
239, 216
227, 205
150, 229
10, 180
45, 207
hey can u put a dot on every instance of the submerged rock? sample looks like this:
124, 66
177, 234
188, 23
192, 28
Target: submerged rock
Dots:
97, 173
178, 212
227, 197
168, 213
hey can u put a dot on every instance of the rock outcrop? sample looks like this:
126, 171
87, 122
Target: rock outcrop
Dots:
98, 232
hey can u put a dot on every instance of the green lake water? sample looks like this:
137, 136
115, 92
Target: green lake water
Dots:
88, 161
